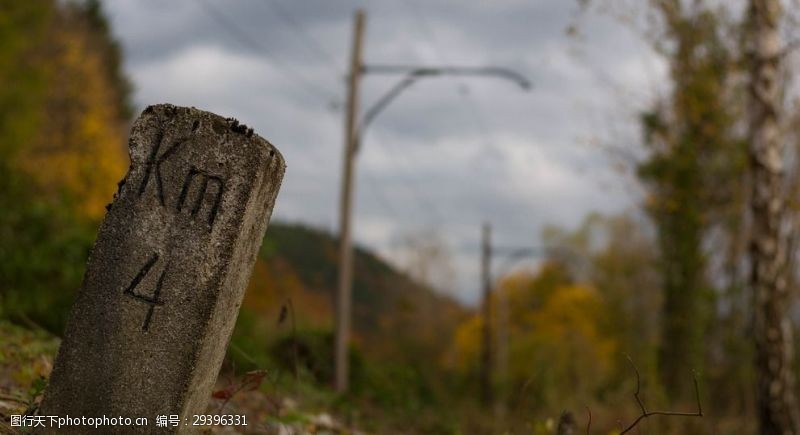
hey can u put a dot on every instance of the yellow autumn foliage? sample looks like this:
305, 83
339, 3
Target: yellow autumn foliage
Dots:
78, 152
467, 344
562, 345
558, 346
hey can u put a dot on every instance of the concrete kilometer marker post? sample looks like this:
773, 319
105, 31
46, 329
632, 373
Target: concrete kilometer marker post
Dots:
167, 274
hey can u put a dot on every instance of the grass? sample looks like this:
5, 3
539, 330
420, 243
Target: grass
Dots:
26, 358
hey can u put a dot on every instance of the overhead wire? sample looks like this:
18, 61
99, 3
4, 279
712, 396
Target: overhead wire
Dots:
315, 90
309, 87
424, 204
242, 37
478, 121
245, 39
425, 26
380, 198
376, 192
288, 19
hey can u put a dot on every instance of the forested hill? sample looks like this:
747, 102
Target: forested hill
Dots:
391, 313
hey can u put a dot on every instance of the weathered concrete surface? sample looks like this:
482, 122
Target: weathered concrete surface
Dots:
167, 274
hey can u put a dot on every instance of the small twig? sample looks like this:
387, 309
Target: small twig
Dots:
4, 428
241, 352
521, 400
294, 341
638, 385
250, 381
645, 413
589, 423
287, 310
31, 324
14, 399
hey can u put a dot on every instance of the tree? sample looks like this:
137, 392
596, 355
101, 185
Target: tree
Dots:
691, 175
559, 349
618, 256
62, 126
777, 404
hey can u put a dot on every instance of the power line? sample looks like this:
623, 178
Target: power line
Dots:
425, 205
311, 42
310, 88
424, 24
478, 121
243, 38
380, 198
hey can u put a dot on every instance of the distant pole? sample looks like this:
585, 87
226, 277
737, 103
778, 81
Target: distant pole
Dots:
486, 348
502, 336
343, 295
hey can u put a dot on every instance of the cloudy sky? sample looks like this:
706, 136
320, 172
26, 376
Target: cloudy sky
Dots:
449, 153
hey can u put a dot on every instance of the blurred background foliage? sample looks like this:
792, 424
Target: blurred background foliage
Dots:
62, 125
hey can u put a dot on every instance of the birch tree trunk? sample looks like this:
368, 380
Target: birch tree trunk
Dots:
777, 404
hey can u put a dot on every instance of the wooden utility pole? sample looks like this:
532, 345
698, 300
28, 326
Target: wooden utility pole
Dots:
344, 293
777, 404
486, 347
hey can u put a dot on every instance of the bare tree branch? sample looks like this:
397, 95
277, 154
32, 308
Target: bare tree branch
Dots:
644, 412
